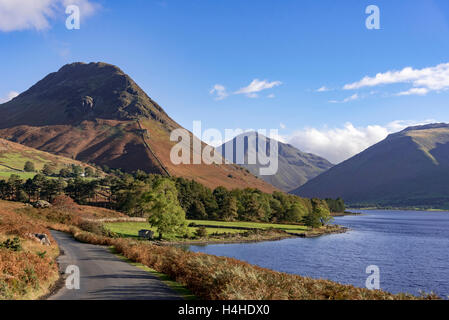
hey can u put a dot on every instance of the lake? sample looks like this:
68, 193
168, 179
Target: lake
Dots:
411, 249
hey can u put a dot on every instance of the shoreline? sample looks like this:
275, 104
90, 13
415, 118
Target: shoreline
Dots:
346, 213
403, 209
281, 235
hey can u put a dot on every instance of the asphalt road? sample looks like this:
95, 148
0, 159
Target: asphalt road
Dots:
103, 276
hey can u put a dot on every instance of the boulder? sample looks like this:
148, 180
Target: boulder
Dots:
146, 234
41, 204
41, 237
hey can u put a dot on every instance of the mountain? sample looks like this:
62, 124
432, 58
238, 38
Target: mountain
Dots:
13, 157
96, 113
294, 166
408, 168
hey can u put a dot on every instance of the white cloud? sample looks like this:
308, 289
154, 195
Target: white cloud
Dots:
348, 99
11, 95
322, 89
278, 137
282, 126
220, 92
431, 79
36, 14
256, 86
414, 91
339, 144
87, 7
271, 96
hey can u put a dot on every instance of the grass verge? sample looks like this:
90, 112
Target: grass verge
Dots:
175, 286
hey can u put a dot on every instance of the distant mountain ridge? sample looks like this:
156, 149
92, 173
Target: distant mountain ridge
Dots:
294, 166
409, 168
94, 112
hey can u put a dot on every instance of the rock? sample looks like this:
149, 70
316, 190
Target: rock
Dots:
87, 104
41, 237
146, 234
41, 204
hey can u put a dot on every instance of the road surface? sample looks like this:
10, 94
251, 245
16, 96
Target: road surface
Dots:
103, 276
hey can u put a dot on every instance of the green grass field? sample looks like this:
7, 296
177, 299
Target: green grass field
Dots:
257, 225
23, 175
131, 229
4, 175
13, 157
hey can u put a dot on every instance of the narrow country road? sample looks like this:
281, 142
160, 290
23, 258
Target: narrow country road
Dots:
103, 276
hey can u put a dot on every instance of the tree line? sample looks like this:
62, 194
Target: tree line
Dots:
130, 193
71, 171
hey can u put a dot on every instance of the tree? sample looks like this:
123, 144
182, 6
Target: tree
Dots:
77, 170
276, 210
89, 172
164, 210
50, 189
22, 196
64, 202
197, 211
129, 198
295, 213
201, 232
29, 188
336, 205
48, 169
319, 215
230, 209
38, 184
29, 167
14, 183
64, 173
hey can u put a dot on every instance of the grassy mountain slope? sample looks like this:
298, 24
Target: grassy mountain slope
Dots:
96, 113
294, 166
13, 157
408, 168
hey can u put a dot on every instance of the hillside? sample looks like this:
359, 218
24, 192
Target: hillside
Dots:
96, 113
295, 167
13, 157
409, 168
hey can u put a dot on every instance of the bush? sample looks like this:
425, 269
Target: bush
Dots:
29, 167
22, 196
201, 232
13, 244
64, 202
96, 228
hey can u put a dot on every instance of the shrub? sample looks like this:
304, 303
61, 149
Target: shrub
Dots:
22, 196
29, 167
13, 244
96, 228
64, 202
201, 232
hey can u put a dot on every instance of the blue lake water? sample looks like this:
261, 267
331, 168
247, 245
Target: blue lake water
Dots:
411, 249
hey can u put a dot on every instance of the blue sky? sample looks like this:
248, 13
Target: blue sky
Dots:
177, 51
